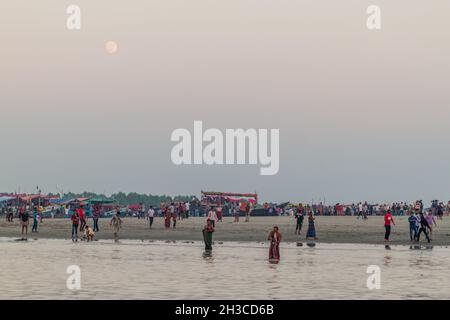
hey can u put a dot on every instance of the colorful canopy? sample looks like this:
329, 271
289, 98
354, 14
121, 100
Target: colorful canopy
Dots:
6, 199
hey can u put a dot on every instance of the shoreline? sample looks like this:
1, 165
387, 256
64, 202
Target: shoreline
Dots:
330, 229
263, 245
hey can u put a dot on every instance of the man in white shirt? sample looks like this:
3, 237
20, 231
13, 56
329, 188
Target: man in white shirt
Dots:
187, 206
151, 215
212, 216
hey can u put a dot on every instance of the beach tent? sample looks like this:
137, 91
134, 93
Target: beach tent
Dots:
134, 207
6, 199
31, 197
100, 201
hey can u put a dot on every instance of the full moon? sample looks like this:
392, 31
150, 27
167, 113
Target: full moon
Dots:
111, 47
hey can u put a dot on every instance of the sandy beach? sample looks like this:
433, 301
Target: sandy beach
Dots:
329, 230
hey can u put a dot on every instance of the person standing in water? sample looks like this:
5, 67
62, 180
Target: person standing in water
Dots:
311, 233
208, 230
388, 219
116, 223
75, 222
275, 239
150, 216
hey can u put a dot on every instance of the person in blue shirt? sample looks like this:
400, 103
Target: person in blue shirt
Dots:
35, 219
413, 225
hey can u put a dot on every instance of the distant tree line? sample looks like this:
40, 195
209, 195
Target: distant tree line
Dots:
125, 199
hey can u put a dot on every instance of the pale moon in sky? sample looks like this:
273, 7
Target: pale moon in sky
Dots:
111, 47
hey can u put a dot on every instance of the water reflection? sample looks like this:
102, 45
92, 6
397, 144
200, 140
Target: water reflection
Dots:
387, 260
233, 270
208, 256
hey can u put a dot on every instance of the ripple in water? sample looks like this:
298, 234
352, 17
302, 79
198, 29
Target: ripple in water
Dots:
158, 270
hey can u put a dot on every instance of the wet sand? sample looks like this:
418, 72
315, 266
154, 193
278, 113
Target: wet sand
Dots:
329, 230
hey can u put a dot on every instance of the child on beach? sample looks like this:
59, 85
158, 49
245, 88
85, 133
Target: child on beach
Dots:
89, 233
116, 223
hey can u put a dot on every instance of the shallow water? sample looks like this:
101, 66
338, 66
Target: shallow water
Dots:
159, 270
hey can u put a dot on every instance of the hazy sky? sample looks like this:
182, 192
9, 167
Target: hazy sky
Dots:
363, 115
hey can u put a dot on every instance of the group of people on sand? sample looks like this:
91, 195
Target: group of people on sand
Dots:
300, 216
79, 223
25, 214
419, 222
173, 212
364, 209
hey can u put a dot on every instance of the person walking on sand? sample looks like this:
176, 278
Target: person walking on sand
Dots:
35, 219
311, 233
275, 239
212, 217
247, 212
235, 214
10, 213
208, 230
299, 219
116, 223
219, 213
431, 221
75, 222
24, 221
167, 217
414, 221
82, 216
95, 217
173, 213
388, 220
424, 226
150, 216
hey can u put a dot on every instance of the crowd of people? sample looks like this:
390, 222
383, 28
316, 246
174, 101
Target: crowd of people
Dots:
421, 220
363, 209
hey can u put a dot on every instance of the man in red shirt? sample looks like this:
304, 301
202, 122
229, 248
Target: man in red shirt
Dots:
82, 216
388, 219
75, 220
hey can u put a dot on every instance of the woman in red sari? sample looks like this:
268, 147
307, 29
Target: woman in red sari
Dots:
275, 239
167, 217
